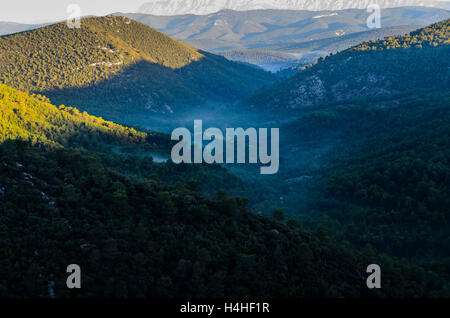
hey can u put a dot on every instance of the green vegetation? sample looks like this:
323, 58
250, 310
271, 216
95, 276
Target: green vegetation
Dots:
139, 238
113, 66
34, 119
362, 74
389, 188
434, 35
142, 229
369, 153
377, 175
365, 169
58, 57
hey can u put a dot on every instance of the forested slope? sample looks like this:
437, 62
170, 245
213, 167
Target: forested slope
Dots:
390, 187
367, 156
416, 61
115, 66
32, 118
431, 36
139, 238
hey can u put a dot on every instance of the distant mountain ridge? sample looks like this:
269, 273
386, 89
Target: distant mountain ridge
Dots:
203, 7
305, 35
12, 27
289, 58
259, 29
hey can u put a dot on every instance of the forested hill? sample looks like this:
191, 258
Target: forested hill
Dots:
141, 238
33, 119
137, 236
114, 64
359, 73
434, 35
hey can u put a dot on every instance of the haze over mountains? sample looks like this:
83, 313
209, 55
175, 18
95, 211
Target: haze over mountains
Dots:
74, 192
203, 7
55, 197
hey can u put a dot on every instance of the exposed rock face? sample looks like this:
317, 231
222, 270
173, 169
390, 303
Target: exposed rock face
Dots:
308, 92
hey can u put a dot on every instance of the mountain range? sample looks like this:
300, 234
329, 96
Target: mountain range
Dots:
286, 59
258, 29
12, 27
303, 35
203, 7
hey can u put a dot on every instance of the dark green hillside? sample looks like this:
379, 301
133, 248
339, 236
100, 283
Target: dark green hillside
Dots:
270, 29
113, 64
379, 175
390, 187
360, 74
135, 233
76, 189
371, 139
141, 238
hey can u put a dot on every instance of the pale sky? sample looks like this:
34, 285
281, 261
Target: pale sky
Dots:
39, 11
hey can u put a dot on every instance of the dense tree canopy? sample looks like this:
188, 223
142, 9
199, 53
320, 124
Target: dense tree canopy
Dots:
33, 118
359, 73
141, 238
431, 36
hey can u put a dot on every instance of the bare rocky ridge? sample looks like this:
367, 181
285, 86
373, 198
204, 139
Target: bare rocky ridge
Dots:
202, 7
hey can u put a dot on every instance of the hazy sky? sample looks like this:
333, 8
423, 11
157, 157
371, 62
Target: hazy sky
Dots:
37, 11
31, 11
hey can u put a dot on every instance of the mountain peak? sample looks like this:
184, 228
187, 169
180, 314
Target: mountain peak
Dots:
203, 7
